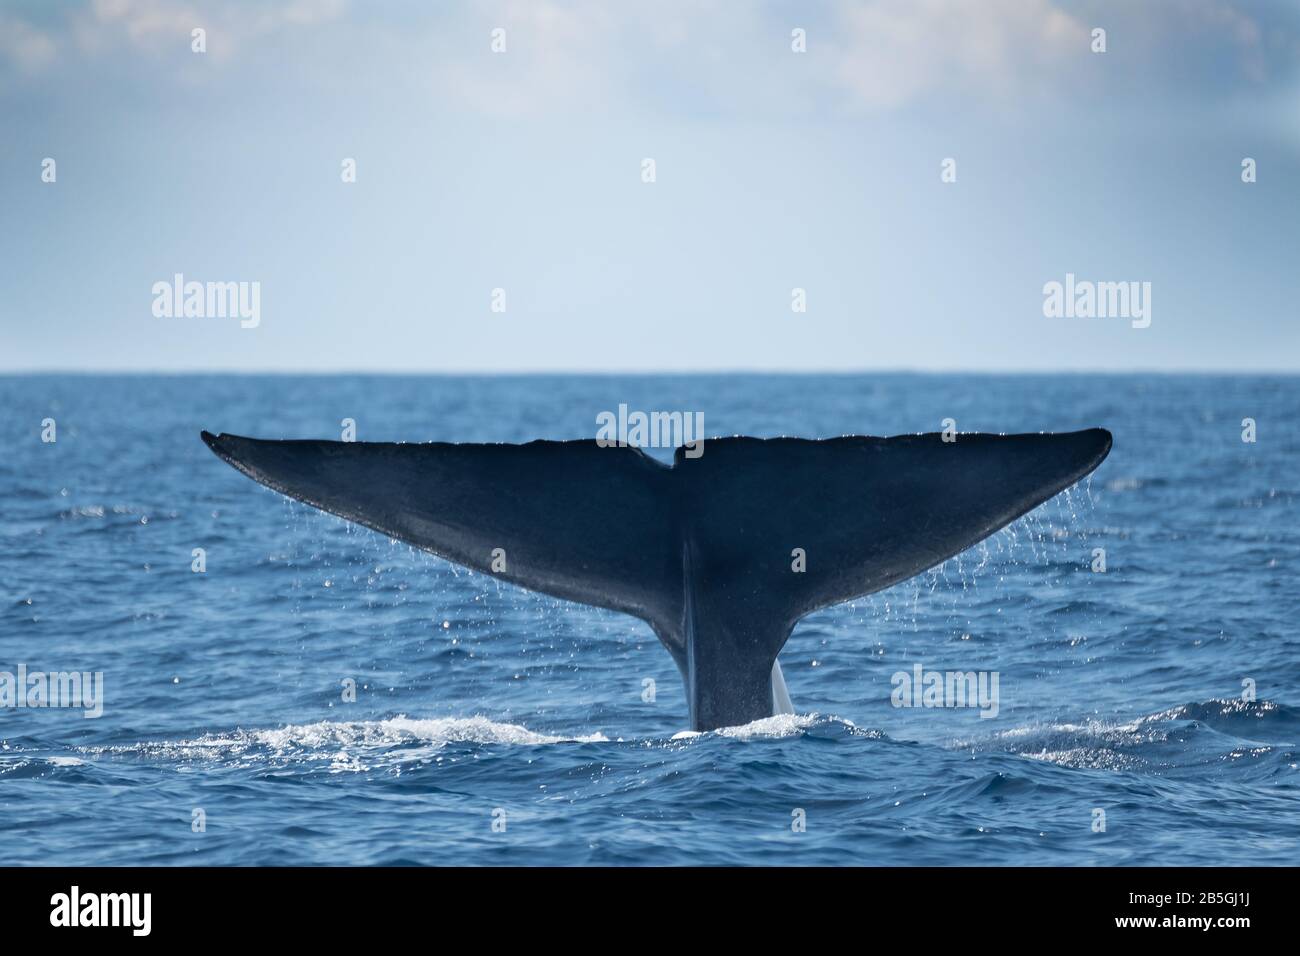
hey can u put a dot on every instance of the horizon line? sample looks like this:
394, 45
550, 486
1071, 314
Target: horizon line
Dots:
608, 373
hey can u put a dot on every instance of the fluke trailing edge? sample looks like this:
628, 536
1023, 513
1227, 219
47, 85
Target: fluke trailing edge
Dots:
701, 550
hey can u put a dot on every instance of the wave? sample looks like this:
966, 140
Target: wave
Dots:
1190, 734
364, 745
345, 745
1235, 715
17, 766
784, 725
1212, 731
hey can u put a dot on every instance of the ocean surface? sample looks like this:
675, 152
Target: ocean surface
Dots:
1159, 698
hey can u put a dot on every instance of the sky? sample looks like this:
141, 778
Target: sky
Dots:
523, 169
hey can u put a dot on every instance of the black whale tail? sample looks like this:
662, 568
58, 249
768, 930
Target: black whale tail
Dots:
721, 554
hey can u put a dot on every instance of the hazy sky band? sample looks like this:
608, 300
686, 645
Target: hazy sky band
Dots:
774, 171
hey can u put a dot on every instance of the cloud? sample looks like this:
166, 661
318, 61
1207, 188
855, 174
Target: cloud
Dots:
151, 25
25, 46
679, 60
890, 54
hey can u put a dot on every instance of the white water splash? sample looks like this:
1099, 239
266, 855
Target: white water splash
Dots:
347, 745
400, 730
780, 725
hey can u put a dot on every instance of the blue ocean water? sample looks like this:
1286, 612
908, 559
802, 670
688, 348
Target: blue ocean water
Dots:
480, 704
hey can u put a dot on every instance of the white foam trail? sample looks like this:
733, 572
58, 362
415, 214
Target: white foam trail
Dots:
340, 742
400, 730
779, 725
775, 727
362, 745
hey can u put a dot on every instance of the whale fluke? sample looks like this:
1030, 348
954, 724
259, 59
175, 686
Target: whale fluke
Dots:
703, 550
